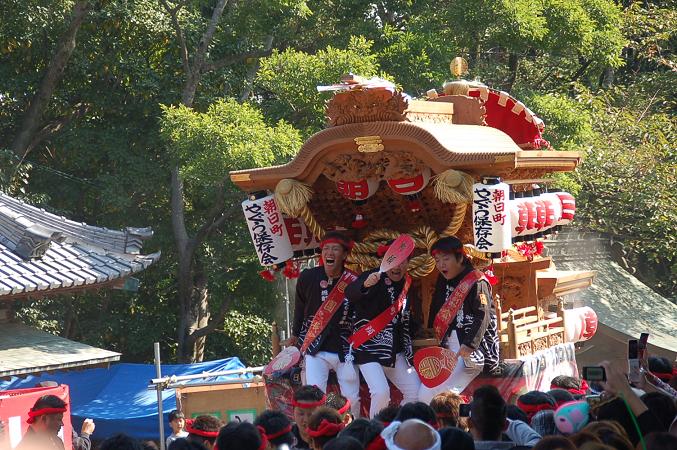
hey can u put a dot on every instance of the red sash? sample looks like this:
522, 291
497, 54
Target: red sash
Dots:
451, 306
379, 322
328, 308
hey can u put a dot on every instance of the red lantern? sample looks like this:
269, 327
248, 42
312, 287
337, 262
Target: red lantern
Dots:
532, 216
357, 190
410, 186
590, 319
568, 207
540, 213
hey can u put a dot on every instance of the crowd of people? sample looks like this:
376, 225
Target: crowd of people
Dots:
362, 326
572, 415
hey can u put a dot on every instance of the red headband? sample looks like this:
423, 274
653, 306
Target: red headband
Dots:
264, 438
376, 444
277, 434
531, 410
581, 391
198, 432
458, 251
295, 403
32, 414
382, 250
345, 408
326, 429
665, 376
348, 245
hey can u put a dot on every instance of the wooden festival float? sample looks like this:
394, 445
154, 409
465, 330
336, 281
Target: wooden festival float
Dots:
467, 162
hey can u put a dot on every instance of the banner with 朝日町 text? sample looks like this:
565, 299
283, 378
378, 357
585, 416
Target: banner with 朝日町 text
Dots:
267, 230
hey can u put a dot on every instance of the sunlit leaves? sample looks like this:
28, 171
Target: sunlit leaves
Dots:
228, 136
288, 80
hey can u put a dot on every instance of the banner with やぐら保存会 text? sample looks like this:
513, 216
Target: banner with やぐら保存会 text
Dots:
267, 229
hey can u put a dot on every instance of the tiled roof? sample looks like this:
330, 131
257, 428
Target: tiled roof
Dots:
621, 301
26, 350
43, 253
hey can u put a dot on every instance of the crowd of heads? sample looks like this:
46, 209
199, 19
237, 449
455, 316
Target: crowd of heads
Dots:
567, 417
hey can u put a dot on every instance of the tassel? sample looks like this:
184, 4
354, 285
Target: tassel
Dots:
359, 222
349, 359
291, 270
268, 275
491, 277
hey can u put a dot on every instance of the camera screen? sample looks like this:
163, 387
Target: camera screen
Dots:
594, 374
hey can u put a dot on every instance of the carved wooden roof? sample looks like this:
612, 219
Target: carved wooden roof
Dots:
43, 253
479, 150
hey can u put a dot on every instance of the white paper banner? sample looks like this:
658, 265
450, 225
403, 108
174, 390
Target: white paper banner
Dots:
491, 217
267, 230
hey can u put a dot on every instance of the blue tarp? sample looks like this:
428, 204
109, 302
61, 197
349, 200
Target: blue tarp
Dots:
118, 399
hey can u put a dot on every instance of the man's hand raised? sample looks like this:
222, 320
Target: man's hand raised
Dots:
291, 342
88, 427
371, 280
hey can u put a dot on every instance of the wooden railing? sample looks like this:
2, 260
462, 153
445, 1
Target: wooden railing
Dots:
522, 332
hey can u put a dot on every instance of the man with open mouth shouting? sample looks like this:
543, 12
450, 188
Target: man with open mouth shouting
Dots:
382, 345
322, 319
462, 316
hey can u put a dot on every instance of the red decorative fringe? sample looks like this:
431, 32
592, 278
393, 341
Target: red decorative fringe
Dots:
489, 273
291, 270
530, 249
268, 275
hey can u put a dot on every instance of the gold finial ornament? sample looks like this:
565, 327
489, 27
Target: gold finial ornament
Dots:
458, 67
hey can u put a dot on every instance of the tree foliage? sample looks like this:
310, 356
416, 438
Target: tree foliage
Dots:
288, 80
227, 136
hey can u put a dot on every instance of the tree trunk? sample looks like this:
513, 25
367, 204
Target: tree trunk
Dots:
513, 65
253, 69
608, 77
195, 322
32, 120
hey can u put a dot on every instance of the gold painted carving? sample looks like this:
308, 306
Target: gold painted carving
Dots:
369, 144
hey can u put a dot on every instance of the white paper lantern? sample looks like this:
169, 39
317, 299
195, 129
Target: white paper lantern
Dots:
299, 235
581, 324
267, 229
491, 216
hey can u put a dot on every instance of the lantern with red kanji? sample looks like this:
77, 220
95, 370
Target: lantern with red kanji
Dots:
358, 192
411, 187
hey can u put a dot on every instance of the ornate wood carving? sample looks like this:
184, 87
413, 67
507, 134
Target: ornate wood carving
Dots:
540, 344
467, 110
382, 165
366, 105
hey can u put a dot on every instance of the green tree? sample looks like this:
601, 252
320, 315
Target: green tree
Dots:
287, 81
204, 147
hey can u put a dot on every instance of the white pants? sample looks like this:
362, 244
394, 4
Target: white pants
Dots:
465, 371
403, 376
317, 372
